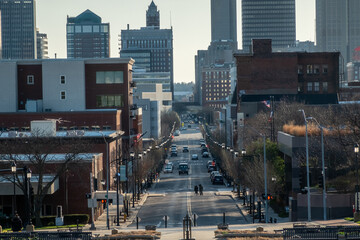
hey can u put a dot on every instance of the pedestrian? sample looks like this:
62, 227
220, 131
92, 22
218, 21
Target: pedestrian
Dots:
201, 189
16, 223
196, 189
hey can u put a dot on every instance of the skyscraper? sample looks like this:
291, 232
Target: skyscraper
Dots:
223, 20
337, 26
18, 29
153, 16
42, 45
87, 36
151, 47
273, 20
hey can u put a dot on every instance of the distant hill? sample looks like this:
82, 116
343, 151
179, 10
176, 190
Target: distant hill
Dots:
184, 87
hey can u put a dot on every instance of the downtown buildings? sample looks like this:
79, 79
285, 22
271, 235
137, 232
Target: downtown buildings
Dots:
273, 20
151, 47
18, 29
87, 36
212, 66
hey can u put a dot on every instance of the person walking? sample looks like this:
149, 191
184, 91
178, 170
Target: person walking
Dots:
196, 189
201, 189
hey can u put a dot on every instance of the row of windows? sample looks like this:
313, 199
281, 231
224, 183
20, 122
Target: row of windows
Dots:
315, 87
110, 100
213, 99
313, 69
147, 43
109, 77
217, 90
85, 128
217, 81
217, 94
87, 28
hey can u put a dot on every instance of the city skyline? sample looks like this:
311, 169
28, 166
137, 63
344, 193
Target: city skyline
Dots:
173, 13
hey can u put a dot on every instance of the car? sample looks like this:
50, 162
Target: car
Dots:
183, 168
185, 149
204, 149
205, 154
189, 126
218, 179
177, 133
203, 144
168, 168
212, 169
173, 154
194, 157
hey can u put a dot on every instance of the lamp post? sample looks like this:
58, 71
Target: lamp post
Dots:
107, 181
13, 170
27, 173
356, 150
322, 164
307, 165
132, 155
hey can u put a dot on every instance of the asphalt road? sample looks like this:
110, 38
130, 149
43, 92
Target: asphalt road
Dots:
175, 193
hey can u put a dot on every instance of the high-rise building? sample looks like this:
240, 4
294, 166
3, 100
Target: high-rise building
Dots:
153, 16
337, 26
42, 45
150, 47
223, 20
87, 36
273, 20
18, 29
212, 66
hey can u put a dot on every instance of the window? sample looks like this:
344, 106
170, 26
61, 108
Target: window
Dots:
309, 86
309, 69
325, 87
316, 86
87, 29
62, 95
109, 101
96, 28
325, 69
78, 29
316, 69
300, 69
62, 79
30, 79
109, 77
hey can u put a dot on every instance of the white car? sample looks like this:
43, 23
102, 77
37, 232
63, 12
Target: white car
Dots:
194, 157
168, 168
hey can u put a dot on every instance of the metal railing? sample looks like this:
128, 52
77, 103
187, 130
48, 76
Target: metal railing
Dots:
46, 235
322, 233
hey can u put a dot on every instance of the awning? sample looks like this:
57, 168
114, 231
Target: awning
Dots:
7, 186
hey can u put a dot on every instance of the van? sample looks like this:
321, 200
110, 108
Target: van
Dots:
183, 168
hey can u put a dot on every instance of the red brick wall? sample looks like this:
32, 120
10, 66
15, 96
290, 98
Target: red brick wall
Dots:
29, 91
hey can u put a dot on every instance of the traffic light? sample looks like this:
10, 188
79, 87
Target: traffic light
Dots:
320, 181
269, 197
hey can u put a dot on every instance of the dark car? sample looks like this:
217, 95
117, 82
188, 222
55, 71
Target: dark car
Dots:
205, 155
183, 168
174, 153
185, 149
218, 179
204, 149
211, 168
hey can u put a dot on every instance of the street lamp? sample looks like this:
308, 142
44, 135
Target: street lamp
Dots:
13, 170
107, 181
307, 165
27, 173
356, 150
323, 164
132, 157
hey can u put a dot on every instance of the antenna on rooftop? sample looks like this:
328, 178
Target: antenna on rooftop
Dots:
170, 20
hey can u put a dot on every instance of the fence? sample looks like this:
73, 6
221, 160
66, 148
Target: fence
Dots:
338, 232
46, 235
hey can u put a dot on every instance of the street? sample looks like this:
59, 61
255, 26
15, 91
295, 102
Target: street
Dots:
173, 196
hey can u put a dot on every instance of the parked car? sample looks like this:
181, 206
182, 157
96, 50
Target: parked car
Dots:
183, 168
204, 149
177, 133
212, 169
218, 179
168, 168
205, 154
185, 149
194, 157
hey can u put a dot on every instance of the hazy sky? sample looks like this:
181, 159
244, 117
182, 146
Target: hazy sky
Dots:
190, 20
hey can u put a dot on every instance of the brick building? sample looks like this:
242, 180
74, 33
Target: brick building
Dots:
312, 78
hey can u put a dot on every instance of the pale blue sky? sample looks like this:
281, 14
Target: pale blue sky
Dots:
190, 20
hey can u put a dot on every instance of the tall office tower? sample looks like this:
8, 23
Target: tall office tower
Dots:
223, 20
337, 26
273, 20
42, 45
87, 36
153, 16
18, 29
149, 45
